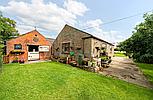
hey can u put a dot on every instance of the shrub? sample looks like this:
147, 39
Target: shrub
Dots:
21, 61
15, 60
146, 58
104, 58
0, 62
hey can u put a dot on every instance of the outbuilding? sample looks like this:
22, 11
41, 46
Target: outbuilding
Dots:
73, 39
28, 47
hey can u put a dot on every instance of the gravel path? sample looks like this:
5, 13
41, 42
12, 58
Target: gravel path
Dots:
123, 68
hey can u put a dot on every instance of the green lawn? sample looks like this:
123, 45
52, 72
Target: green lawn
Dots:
119, 54
147, 70
52, 81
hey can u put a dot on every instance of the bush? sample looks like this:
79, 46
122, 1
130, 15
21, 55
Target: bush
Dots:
136, 56
146, 58
0, 62
15, 60
21, 61
104, 58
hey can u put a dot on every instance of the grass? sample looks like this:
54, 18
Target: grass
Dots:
54, 81
147, 70
119, 54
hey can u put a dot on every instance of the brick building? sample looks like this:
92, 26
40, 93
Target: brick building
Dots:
72, 38
27, 47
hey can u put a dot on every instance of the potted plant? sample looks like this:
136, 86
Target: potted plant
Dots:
21, 60
104, 58
15, 60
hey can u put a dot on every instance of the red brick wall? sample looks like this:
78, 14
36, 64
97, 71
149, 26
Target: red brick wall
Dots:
28, 39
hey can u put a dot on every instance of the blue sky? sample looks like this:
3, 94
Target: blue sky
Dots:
51, 15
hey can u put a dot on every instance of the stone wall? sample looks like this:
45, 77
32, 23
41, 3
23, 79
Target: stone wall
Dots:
72, 35
87, 47
100, 44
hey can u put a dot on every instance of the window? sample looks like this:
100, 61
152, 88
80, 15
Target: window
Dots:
17, 46
97, 48
66, 47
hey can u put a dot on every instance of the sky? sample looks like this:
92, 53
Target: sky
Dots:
50, 16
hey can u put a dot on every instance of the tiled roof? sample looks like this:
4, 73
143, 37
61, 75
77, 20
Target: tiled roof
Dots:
91, 36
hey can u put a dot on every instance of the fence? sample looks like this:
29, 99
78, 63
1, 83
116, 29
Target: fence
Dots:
5, 59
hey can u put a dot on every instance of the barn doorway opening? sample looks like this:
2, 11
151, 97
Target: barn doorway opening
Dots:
33, 48
33, 52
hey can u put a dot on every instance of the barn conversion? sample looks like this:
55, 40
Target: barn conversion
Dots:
28, 47
73, 39
69, 42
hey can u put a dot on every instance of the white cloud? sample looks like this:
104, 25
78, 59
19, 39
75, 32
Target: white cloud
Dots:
75, 7
96, 30
95, 24
48, 16
51, 17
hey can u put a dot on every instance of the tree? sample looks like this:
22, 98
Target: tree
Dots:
1, 46
7, 28
140, 44
7, 31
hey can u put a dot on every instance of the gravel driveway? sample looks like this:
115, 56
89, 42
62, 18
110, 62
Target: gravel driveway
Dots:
124, 68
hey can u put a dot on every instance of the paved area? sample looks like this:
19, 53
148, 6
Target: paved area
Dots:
124, 69
37, 61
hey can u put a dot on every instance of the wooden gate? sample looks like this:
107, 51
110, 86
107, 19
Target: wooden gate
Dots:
5, 59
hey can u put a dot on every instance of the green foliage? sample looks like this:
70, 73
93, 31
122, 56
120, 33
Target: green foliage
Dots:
104, 58
119, 54
147, 70
7, 30
0, 63
1, 46
141, 42
146, 58
117, 48
56, 81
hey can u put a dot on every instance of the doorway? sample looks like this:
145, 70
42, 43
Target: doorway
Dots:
33, 52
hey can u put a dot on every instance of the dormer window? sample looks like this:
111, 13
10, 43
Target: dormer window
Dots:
17, 46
